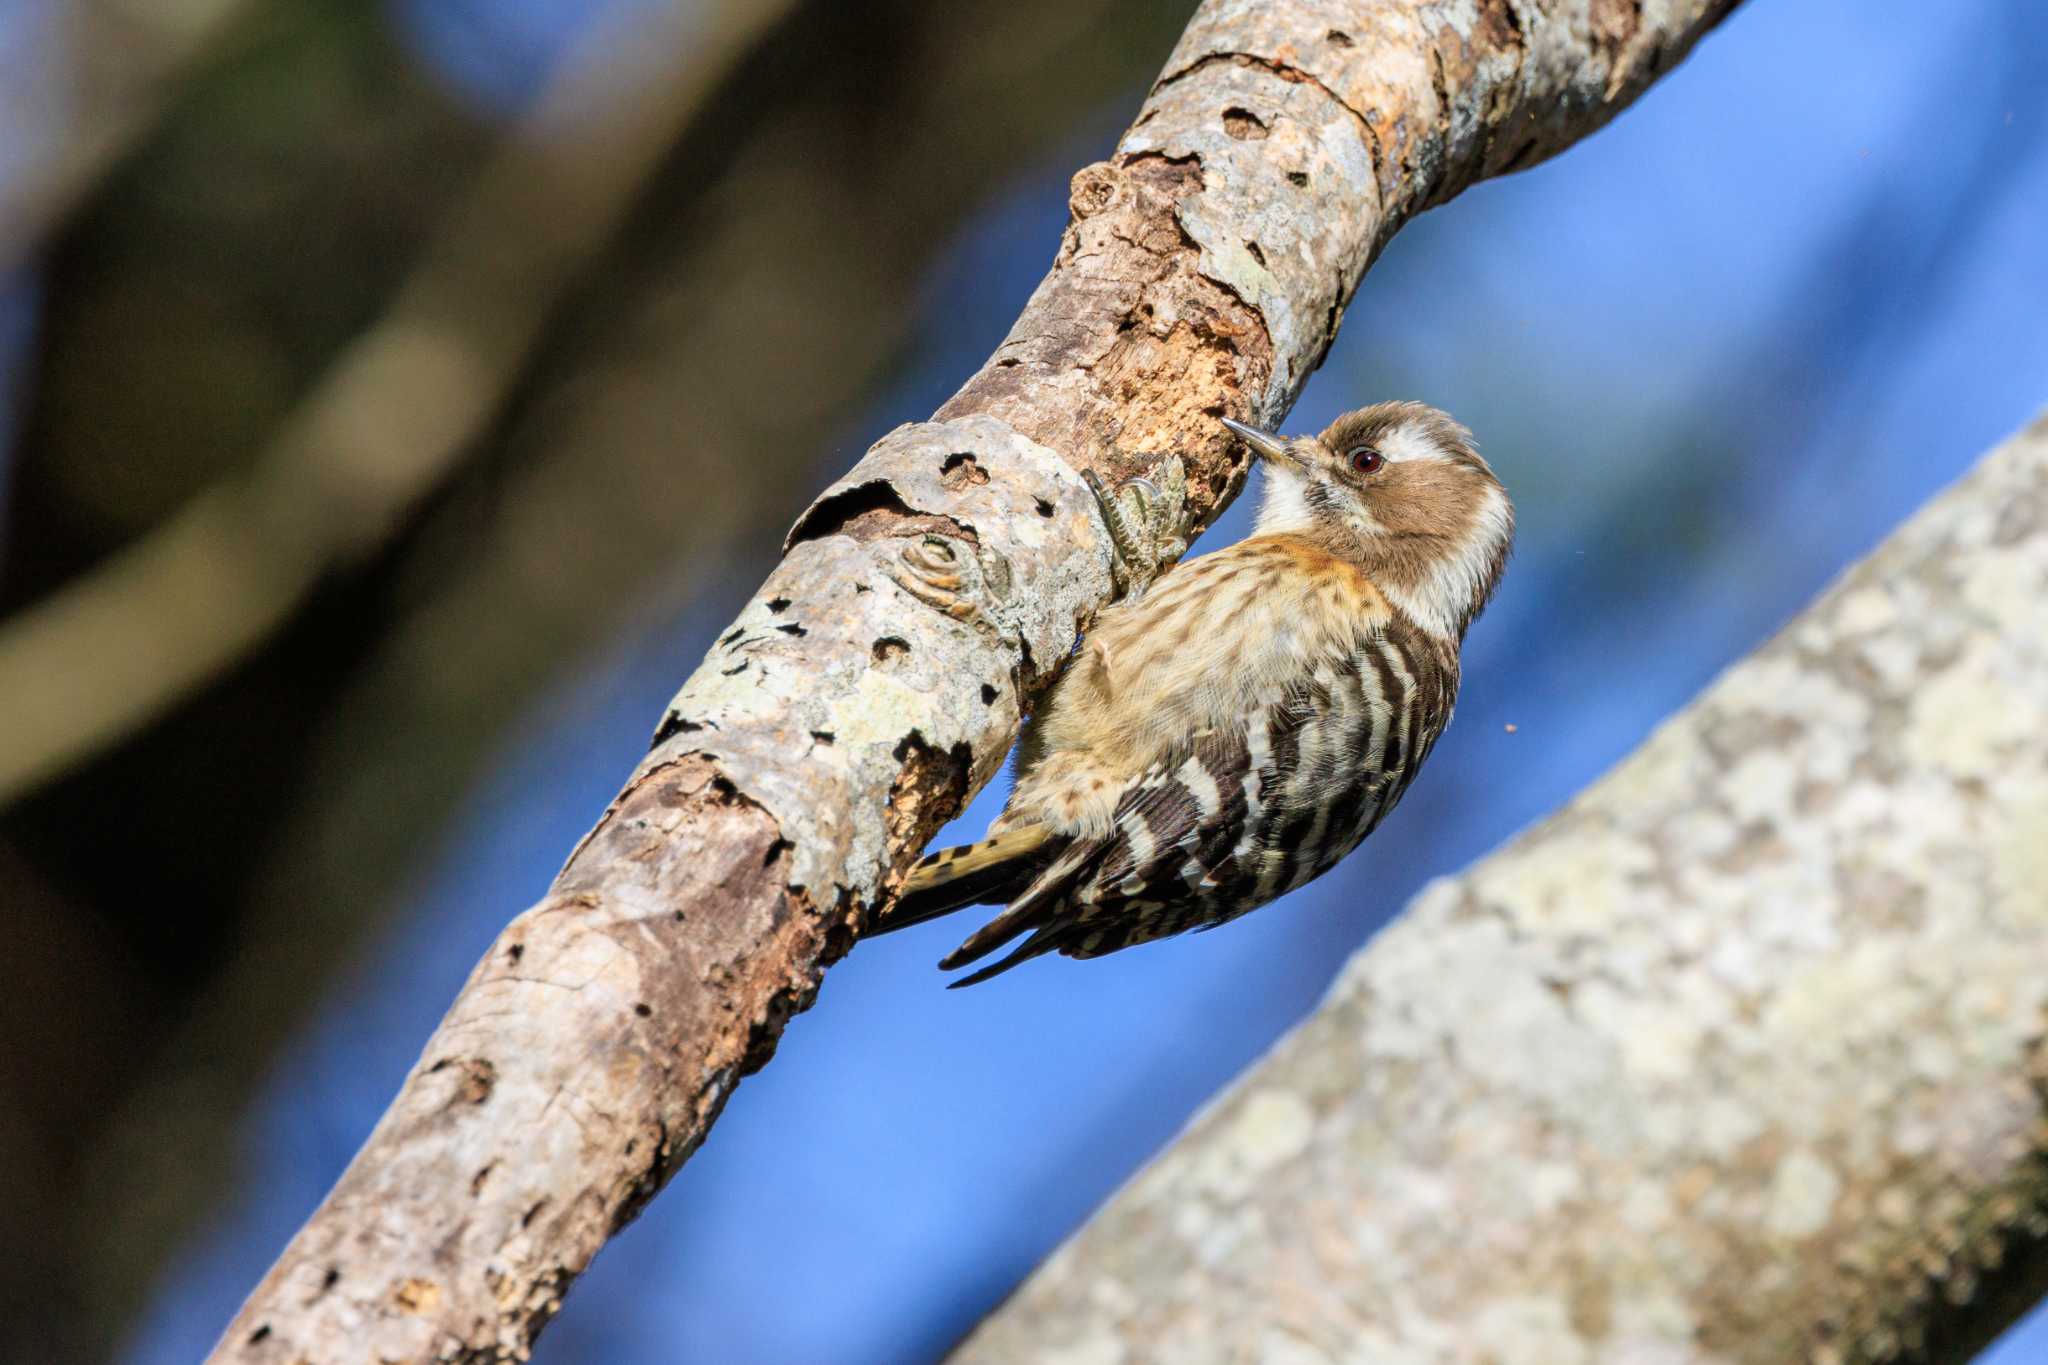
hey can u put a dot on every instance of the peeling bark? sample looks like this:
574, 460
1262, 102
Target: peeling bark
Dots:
1742, 1057
877, 678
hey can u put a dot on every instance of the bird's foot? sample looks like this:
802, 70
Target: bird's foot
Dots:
1147, 525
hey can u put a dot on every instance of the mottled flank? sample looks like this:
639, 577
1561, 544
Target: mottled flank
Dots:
1738, 1058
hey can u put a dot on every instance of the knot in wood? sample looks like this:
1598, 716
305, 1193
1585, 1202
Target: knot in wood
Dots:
942, 573
932, 555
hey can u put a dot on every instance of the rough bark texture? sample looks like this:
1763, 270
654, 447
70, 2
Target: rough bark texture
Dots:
842, 720
1738, 1058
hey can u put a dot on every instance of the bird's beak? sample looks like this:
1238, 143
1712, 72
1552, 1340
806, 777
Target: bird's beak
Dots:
1264, 444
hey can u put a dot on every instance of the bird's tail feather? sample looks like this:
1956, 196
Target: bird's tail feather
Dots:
994, 870
1034, 909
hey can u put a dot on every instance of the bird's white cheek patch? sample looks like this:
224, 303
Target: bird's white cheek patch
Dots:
1285, 507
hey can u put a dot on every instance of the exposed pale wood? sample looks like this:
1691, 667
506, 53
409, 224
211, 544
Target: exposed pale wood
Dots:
841, 721
1739, 1058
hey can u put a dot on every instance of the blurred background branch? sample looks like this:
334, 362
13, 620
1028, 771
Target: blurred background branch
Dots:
1741, 1057
82, 93
389, 421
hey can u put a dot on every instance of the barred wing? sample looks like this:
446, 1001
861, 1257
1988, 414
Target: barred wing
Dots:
1247, 813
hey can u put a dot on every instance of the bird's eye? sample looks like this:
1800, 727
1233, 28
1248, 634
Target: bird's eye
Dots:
1366, 460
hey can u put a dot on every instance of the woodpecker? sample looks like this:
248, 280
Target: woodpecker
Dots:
1230, 730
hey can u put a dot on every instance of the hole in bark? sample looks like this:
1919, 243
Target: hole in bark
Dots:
988, 695
526, 1219
961, 471
778, 604
644, 1010
734, 671
676, 725
776, 850
476, 1182
1255, 251
259, 1334
330, 1279
860, 588
1008, 363
737, 631
1244, 125
831, 515
479, 1078
1337, 37
1499, 26
1298, 179
792, 628
823, 736
680, 917
1440, 83
516, 951
889, 649
1044, 507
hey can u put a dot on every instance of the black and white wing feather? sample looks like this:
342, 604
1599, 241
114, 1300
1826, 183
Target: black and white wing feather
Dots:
1246, 814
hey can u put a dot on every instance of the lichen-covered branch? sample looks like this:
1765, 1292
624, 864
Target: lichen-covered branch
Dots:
1739, 1058
844, 716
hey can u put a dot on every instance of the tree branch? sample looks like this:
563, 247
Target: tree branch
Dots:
1738, 1058
841, 721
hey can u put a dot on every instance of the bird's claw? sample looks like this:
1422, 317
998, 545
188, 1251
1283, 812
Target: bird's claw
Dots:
1147, 524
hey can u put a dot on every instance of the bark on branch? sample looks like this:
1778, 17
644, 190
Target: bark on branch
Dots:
1739, 1058
841, 720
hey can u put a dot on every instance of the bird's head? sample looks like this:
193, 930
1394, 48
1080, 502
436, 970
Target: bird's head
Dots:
1398, 488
